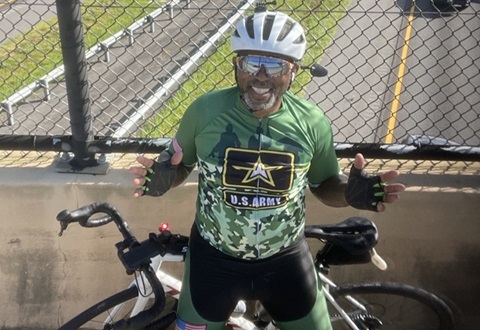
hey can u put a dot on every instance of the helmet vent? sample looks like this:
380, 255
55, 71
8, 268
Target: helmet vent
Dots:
287, 27
299, 40
267, 26
249, 26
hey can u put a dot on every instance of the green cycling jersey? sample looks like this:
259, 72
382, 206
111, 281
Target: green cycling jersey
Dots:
252, 173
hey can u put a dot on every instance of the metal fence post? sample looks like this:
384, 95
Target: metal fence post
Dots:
151, 22
8, 108
79, 105
43, 83
106, 51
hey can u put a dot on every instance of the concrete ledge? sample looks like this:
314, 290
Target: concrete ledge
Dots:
429, 239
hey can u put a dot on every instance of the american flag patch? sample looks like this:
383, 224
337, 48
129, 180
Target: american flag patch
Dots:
182, 325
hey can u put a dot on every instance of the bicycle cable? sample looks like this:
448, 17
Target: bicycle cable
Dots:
143, 292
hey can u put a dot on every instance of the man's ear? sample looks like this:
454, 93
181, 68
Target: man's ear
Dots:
294, 72
292, 75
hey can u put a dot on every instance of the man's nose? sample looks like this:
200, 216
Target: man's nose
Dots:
262, 73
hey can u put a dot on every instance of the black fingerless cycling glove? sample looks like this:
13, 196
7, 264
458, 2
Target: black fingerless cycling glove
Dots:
364, 192
160, 176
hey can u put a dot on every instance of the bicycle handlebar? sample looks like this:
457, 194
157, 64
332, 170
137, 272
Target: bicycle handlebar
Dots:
135, 256
84, 215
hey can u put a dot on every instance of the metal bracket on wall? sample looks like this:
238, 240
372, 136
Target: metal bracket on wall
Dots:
65, 163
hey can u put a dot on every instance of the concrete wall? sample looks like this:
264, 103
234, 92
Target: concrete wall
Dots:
429, 239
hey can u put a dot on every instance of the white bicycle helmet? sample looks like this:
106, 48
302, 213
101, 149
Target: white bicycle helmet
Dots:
271, 32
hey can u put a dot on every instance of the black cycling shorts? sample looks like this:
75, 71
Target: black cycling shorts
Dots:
285, 283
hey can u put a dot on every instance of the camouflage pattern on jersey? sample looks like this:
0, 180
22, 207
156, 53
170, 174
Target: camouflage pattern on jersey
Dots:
253, 172
250, 232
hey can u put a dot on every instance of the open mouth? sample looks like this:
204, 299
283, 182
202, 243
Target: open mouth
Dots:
261, 90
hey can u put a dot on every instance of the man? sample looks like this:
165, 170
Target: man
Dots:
257, 147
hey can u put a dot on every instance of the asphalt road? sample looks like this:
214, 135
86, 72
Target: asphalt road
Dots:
444, 77
395, 72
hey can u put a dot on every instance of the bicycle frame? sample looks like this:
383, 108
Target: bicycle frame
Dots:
171, 285
327, 283
152, 282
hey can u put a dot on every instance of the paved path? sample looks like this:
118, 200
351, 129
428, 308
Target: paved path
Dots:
133, 73
17, 16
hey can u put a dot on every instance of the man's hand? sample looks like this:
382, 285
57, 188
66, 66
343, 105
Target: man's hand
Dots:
371, 192
142, 173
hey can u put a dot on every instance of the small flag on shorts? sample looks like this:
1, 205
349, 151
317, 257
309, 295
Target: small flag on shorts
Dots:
182, 325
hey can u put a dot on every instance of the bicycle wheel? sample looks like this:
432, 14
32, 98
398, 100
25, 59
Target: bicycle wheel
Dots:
395, 305
95, 316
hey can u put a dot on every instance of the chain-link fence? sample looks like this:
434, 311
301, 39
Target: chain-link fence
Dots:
403, 76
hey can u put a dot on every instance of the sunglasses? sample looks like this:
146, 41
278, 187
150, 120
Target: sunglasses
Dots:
274, 67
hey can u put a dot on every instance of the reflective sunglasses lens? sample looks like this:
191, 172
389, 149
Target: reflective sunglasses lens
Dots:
273, 66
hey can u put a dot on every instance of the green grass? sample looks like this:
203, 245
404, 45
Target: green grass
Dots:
31, 55
217, 72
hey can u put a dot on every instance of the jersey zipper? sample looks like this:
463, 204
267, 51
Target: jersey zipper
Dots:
257, 215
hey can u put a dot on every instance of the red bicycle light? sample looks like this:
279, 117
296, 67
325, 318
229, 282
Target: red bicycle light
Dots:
164, 226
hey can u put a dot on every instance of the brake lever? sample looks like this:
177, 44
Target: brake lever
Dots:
63, 226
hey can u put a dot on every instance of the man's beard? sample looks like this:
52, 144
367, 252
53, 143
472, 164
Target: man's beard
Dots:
256, 105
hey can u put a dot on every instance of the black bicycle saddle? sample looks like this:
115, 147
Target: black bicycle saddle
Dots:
356, 235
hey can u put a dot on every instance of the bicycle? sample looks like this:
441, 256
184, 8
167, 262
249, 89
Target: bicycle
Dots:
150, 300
